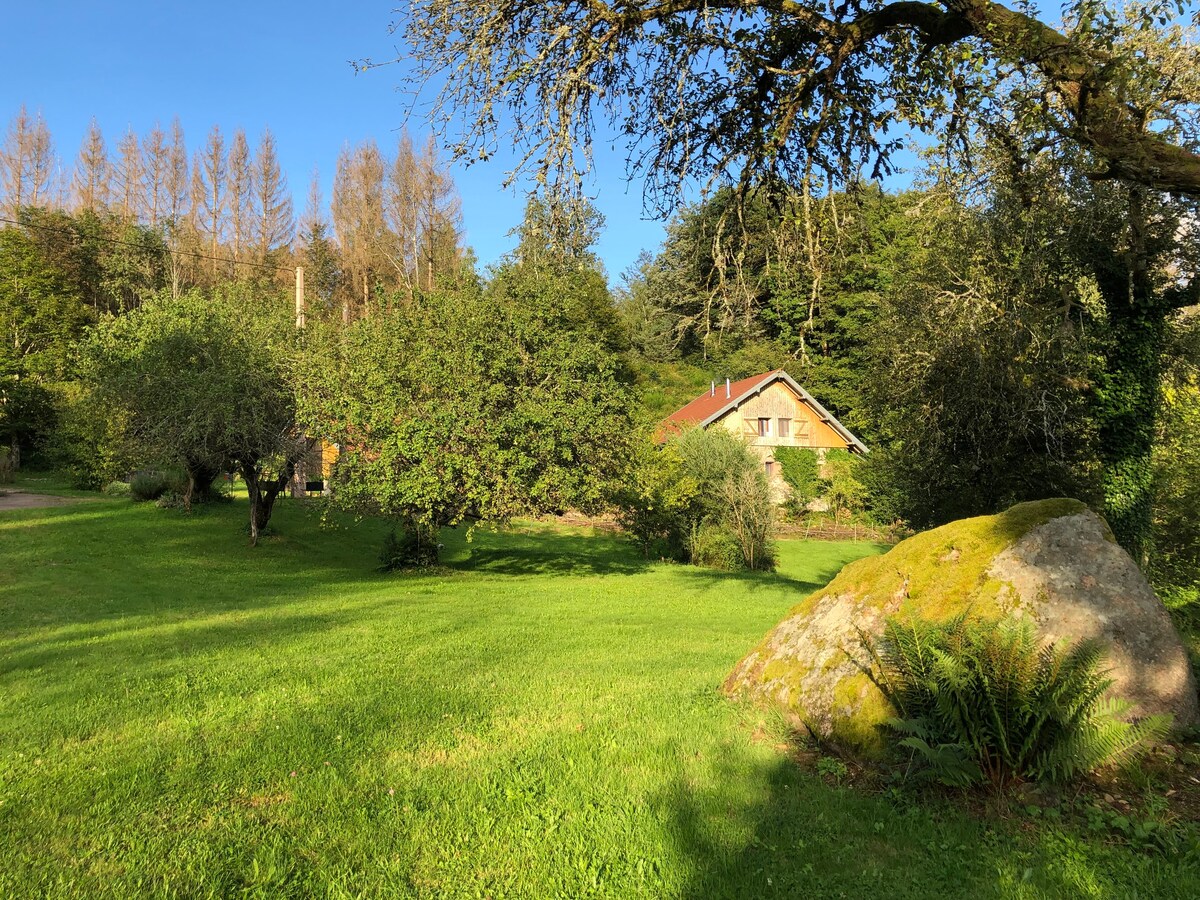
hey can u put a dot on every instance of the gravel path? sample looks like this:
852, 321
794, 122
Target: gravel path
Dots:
11, 498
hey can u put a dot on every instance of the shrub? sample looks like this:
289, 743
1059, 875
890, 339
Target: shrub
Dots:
88, 443
714, 547
700, 480
410, 548
150, 485
749, 515
843, 488
656, 503
117, 489
978, 701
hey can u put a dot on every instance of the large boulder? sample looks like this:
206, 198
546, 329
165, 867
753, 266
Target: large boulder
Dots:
1054, 560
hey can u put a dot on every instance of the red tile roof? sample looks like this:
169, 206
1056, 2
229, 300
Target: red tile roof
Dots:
709, 403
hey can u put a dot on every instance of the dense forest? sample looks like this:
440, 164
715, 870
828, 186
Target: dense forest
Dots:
972, 330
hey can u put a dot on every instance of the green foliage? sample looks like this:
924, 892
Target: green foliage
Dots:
843, 488
204, 383
714, 546
656, 499
118, 489
695, 497
977, 700
779, 282
832, 767
465, 405
28, 416
802, 472
409, 549
553, 276
88, 440
978, 390
153, 485
749, 514
1175, 561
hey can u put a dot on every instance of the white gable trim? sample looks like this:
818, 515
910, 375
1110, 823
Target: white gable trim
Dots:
822, 413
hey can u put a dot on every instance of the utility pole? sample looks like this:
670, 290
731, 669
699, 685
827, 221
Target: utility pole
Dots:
300, 474
299, 296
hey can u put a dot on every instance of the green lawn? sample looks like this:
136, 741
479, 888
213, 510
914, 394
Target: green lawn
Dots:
183, 716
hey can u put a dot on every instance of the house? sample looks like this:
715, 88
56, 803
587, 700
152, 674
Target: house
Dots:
769, 410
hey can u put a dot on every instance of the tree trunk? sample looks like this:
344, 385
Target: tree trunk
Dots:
1129, 404
1129, 389
200, 478
263, 493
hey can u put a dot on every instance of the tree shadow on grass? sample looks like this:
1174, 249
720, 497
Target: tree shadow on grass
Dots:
797, 587
79, 567
789, 834
547, 553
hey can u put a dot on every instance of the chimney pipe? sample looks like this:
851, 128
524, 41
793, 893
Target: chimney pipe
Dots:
712, 389
727, 389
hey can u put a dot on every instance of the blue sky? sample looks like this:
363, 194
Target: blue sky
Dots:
131, 63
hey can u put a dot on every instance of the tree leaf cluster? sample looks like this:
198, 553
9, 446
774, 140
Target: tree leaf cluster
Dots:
471, 405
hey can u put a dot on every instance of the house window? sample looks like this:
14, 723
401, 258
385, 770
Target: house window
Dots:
764, 427
769, 465
785, 427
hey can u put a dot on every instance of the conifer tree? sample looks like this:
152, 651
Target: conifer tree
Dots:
90, 184
210, 194
239, 193
155, 164
128, 188
27, 164
439, 218
400, 202
357, 208
175, 180
274, 226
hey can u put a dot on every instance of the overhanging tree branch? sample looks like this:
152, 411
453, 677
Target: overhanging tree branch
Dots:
711, 88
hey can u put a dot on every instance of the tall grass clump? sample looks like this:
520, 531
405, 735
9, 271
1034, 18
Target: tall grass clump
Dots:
978, 701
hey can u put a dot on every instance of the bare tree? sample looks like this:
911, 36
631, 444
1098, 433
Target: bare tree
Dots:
734, 88
155, 166
401, 206
128, 188
239, 195
177, 208
275, 222
27, 164
90, 184
210, 194
175, 180
357, 207
314, 205
439, 218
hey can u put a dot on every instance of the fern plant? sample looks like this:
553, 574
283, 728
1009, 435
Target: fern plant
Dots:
978, 700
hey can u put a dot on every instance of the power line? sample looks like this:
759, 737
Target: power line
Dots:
144, 247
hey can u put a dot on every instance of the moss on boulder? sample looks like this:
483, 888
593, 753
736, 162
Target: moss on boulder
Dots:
1054, 560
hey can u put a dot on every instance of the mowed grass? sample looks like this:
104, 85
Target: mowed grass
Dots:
181, 715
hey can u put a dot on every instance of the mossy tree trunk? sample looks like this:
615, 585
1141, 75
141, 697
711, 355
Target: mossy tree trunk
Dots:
1129, 398
1128, 392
